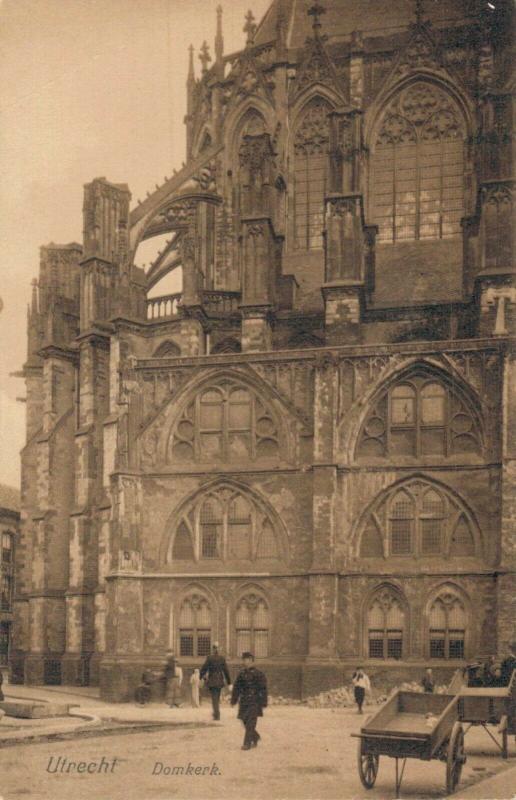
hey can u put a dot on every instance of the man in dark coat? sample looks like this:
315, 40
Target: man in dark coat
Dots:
508, 665
250, 691
216, 672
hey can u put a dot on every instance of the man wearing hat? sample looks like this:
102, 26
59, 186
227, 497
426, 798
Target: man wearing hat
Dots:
250, 692
217, 673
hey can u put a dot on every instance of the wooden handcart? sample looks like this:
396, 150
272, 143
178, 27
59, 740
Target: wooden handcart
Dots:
489, 705
412, 725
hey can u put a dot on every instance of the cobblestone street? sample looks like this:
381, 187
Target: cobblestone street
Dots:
304, 753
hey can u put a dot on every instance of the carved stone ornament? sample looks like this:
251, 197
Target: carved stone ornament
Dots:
315, 68
313, 134
206, 177
420, 112
254, 151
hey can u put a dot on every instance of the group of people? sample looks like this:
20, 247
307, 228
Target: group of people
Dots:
493, 672
249, 689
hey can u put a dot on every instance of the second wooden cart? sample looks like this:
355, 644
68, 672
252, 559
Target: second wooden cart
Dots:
412, 725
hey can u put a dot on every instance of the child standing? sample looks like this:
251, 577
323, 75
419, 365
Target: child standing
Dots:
361, 684
195, 683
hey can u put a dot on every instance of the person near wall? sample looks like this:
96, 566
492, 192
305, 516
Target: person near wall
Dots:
427, 682
215, 672
173, 680
361, 685
250, 692
195, 684
508, 665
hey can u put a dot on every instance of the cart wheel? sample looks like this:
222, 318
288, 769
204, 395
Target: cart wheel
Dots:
455, 758
367, 766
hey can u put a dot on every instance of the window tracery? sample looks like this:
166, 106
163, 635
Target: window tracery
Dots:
447, 626
225, 422
252, 624
420, 416
417, 183
417, 520
385, 625
224, 525
195, 626
311, 142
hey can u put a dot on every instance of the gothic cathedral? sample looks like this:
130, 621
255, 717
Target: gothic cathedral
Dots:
310, 450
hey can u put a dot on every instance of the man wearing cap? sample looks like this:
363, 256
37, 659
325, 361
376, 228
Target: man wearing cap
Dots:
250, 692
216, 671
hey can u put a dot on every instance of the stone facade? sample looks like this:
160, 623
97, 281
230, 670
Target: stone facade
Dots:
9, 534
310, 450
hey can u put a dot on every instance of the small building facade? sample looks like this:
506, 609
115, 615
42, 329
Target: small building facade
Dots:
310, 450
9, 530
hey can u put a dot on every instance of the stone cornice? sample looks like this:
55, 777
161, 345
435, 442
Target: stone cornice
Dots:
336, 353
59, 351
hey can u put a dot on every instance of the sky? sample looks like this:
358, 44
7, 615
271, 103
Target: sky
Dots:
89, 88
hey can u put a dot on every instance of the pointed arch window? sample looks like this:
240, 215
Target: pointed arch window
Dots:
252, 626
195, 626
417, 185
225, 422
311, 142
386, 625
419, 416
420, 521
225, 525
447, 627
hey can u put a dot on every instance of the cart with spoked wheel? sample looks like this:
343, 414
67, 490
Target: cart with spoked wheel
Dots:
412, 725
489, 705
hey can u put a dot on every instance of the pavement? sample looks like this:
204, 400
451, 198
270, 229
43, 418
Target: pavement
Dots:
306, 754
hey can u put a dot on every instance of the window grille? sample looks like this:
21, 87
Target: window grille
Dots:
252, 624
225, 525
447, 627
385, 624
195, 627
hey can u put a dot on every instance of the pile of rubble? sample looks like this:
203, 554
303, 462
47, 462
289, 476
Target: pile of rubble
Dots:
410, 686
334, 698
342, 697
